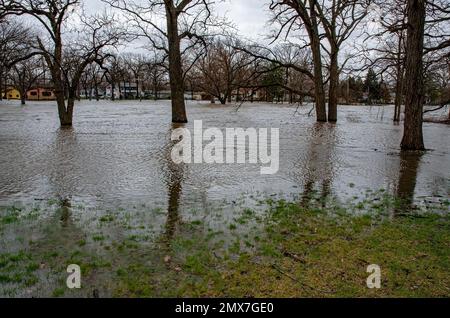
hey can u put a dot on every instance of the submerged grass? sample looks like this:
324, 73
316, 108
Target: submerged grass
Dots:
313, 247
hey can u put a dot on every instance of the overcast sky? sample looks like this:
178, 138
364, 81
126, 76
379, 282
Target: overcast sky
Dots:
249, 16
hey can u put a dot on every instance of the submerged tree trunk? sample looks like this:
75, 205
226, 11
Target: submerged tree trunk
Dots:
334, 84
413, 135
175, 68
65, 113
23, 96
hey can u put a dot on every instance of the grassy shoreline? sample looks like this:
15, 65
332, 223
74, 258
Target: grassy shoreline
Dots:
312, 248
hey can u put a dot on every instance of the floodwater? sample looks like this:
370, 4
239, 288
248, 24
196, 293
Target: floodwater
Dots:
83, 194
118, 155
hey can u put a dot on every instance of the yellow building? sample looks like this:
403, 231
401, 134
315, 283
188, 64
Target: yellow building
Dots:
11, 93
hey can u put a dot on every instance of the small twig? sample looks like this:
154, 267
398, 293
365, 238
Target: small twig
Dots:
278, 269
294, 257
274, 266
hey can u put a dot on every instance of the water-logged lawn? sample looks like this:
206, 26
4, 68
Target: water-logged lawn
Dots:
302, 248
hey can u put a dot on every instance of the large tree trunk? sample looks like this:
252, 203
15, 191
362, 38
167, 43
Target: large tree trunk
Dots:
65, 114
334, 84
175, 69
23, 95
413, 135
319, 90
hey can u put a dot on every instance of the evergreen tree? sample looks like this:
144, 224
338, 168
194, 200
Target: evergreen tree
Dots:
372, 87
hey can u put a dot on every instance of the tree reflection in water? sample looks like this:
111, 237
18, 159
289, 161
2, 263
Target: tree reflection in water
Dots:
409, 168
320, 163
174, 176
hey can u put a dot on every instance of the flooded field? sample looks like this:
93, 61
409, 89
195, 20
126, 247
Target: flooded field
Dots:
118, 154
109, 181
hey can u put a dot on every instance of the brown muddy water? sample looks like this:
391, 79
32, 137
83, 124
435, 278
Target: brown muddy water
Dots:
118, 154
87, 195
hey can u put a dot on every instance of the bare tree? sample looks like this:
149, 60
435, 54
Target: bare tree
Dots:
292, 61
293, 15
156, 71
339, 19
15, 46
222, 70
135, 63
388, 51
90, 81
67, 58
24, 75
437, 24
187, 22
334, 20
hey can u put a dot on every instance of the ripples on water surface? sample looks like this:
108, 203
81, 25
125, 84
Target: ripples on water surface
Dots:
117, 155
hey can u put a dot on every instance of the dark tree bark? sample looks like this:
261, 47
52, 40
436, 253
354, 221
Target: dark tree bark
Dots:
184, 19
305, 10
24, 76
334, 85
413, 135
175, 65
313, 31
